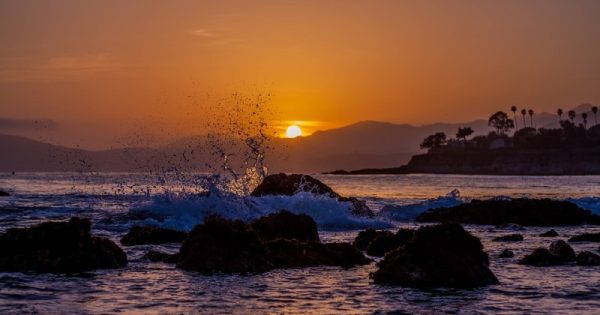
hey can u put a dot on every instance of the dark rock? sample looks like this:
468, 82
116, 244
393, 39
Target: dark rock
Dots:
586, 237
540, 257
586, 258
562, 250
509, 238
220, 245
559, 253
140, 235
388, 241
58, 247
283, 184
291, 253
507, 253
527, 212
364, 238
156, 256
442, 255
551, 233
4, 193
285, 224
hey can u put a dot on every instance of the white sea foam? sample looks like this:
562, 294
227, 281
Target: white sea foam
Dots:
411, 211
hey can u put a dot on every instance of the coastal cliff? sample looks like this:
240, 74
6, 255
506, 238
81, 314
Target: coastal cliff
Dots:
576, 161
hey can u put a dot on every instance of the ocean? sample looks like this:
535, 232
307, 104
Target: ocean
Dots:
116, 201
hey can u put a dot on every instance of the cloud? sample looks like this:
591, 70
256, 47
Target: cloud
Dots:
203, 33
57, 67
10, 124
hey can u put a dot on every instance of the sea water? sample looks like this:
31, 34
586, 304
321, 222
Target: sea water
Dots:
116, 201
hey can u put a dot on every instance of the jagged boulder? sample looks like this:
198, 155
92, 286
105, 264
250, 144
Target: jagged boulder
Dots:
586, 237
506, 253
509, 238
141, 235
287, 225
283, 184
550, 233
442, 255
586, 258
221, 245
58, 247
527, 212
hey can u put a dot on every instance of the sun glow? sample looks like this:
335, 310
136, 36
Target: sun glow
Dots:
293, 131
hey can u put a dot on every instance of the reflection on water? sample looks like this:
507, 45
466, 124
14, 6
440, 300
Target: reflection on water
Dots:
144, 287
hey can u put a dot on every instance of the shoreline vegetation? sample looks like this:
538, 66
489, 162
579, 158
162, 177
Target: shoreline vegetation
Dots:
572, 149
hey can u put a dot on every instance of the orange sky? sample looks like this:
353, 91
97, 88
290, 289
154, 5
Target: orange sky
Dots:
113, 67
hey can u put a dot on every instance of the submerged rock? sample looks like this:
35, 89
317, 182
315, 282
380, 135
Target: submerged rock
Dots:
4, 193
507, 253
58, 247
510, 226
509, 238
283, 184
157, 256
285, 224
559, 253
586, 237
220, 245
527, 212
291, 253
141, 235
586, 258
442, 255
551, 233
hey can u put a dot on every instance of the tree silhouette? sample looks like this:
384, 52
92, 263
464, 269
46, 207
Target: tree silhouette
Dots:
501, 122
434, 141
584, 116
463, 133
514, 110
530, 112
559, 112
572, 115
524, 112
595, 112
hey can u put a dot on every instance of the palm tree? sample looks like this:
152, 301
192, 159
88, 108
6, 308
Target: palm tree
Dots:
559, 112
584, 116
595, 111
514, 110
530, 112
524, 112
572, 115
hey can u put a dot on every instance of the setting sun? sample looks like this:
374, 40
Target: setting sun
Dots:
293, 131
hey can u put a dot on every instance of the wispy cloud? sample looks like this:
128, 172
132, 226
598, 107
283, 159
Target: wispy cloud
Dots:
215, 38
57, 67
203, 33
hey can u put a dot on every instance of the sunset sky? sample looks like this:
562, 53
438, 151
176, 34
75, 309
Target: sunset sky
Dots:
102, 69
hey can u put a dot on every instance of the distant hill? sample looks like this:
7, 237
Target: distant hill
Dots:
366, 144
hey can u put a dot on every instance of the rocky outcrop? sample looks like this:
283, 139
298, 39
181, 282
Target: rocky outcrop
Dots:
283, 184
586, 237
507, 253
586, 258
509, 238
227, 246
58, 247
550, 233
220, 245
527, 212
4, 193
287, 225
386, 242
364, 238
141, 235
442, 255
559, 253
